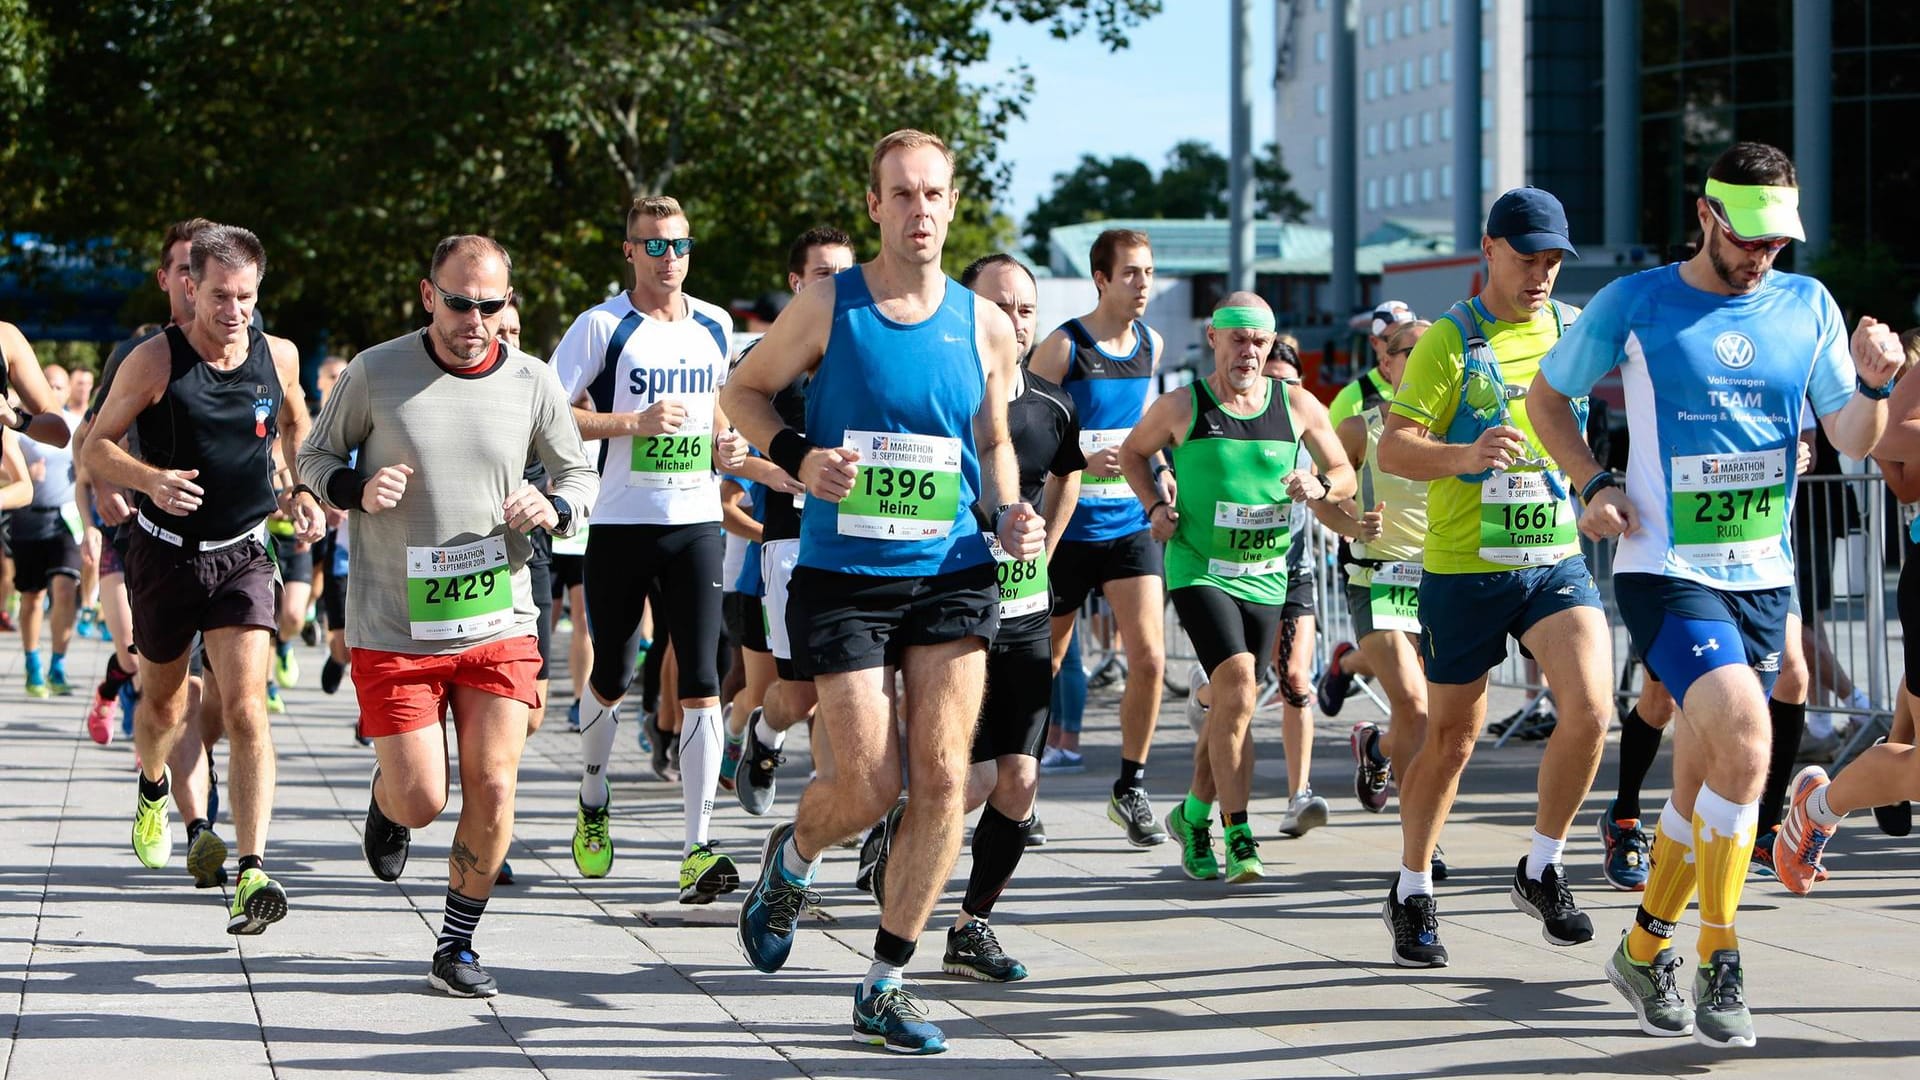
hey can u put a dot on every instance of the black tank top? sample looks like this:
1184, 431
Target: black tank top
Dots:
1045, 435
781, 518
222, 423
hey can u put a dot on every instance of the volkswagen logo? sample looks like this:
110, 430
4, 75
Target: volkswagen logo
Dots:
1734, 349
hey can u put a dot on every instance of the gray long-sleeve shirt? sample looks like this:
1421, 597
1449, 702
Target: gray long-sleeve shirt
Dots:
428, 575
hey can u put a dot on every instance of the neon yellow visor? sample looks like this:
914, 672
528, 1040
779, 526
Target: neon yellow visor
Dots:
1758, 212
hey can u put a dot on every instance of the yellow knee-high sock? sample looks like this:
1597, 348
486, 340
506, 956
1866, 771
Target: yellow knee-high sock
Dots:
1722, 849
1670, 884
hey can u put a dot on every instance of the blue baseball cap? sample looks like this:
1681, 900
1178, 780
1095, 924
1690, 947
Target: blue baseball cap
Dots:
1530, 219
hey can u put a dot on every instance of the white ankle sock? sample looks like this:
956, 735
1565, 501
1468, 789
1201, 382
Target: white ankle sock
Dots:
1546, 851
768, 737
1415, 883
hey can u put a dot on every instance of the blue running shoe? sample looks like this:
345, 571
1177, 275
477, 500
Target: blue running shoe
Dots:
895, 1019
128, 699
1629, 852
772, 907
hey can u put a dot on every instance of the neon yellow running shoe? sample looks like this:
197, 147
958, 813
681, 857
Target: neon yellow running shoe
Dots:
286, 670
276, 705
258, 902
706, 875
592, 841
152, 829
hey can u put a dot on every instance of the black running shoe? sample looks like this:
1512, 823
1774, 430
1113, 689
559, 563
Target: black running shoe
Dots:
458, 972
1549, 900
310, 634
384, 842
1894, 819
888, 826
213, 790
1439, 864
870, 857
657, 739
331, 673
973, 951
754, 783
1037, 836
1133, 812
1415, 926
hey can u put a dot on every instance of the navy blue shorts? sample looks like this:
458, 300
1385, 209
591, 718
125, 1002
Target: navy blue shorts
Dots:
1683, 629
1465, 619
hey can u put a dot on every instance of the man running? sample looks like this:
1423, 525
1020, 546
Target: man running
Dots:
441, 615
1374, 388
1705, 564
38, 416
46, 560
1105, 360
209, 399
642, 370
1501, 560
906, 430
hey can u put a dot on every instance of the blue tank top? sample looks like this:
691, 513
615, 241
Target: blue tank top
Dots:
905, 398
1109, 394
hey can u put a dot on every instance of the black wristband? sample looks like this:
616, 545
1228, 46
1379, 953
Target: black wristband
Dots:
302, 488
1601, 481
1873, 393
788, 449
1157, 504
345, 488
22, 420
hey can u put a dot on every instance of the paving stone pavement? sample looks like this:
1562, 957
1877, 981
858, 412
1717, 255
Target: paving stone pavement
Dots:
1137, 972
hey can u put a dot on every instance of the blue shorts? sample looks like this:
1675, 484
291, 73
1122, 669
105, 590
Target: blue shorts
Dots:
1465, 619
1683, 629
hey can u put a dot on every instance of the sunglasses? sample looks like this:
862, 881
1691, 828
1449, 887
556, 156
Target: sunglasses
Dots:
1767, 246
460, 305
657, 247
1408, 351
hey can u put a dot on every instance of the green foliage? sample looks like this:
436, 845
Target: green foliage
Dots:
1867, 279
1273, 192
352, 134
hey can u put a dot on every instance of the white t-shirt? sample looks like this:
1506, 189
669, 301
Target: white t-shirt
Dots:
662, 479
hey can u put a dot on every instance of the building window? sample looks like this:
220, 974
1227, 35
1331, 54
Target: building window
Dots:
1446, 122
1319, 5
1486, 55
1393, 79
1393, 136
1406, 19
1446, 181
1426, 185
1486, 174
1320, 100
1426, 70
1406, 187
1373, 31
1406, 74
1446, 12
1373, 85
1446, 65
1392, 192
1373, 140
1320, 203
1426, 128
1426, 14
1406, 130
1390, 20
1373, 194
1486, 114
1320, 46
1320, 150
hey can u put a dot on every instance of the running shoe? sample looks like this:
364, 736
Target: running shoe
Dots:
1305, 813
1197, 860
310, 633
504, 876
889, 826
100, 720
1336, 686
331, 673
458, 972
1549, 900
1196, 712
384, 841
1720, 1016
772, 907
129, 700
1762, 864
152, 835
207, 860
1243, 857
1133, 812
761, 762
286, 669
706, 875
360, 734
870, 857
573, 716
1058, 760
1438, 865
1415, 927
37, 686
213, 789
1894, 819
893, 1018
1369, 776
658, 744
1653, 989
258, 902
1799, 843
57, 684
275, 705
1037, 836
730, 762
593, 838
1629, 851
973, 951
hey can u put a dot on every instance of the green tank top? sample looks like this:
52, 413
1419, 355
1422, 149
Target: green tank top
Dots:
1233, 532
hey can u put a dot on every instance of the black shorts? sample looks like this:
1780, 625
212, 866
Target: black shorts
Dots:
175, 593
1222, 626
540, 578
335, 602
295, 566
852, 622
678, 565
745, 619
1909, 606
1299, 596
1683, 629
1013, 715
569, 571
1078, 567
38, 562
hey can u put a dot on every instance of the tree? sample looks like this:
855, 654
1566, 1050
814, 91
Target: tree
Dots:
1194, 182
1273, 188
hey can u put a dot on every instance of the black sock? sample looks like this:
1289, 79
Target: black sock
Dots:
196, 827
251, 862
891, 950
461, 919
151, 790
1238, 817
998, 843
1132, 775
115, 679
1639, 745
1789, 724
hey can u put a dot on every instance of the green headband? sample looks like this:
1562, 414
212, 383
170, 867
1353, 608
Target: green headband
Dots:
1759, 211
1243, 318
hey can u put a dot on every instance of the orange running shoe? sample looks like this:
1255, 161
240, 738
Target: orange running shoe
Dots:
1799, 843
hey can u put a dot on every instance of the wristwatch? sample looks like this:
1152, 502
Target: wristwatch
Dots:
1881, 393
562, 513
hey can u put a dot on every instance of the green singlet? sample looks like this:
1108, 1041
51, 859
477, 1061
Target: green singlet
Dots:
1233, 531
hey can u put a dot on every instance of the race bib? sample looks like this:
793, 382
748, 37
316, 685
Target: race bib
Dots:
1729, 508
572, 545
906, 487
1394, 597
459, 592
1249, 539
1521, 523
1102, 488
70, 517
683, 459
1023, 583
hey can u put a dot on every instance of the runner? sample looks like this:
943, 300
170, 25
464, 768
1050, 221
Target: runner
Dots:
38, 416
1375, 387
1501, 559
441, 615
209, 400
1705, 566
642, 370
1105, 360
1235, 439
335, 568
43, 536
906, 430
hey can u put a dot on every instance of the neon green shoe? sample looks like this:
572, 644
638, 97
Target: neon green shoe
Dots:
705, 875
592, 840
286, 670
37, 687
1243, 856
207, 860
258, 902
152, 829
1196, 844
276, 705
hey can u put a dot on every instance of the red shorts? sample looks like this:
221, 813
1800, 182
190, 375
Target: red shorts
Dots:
401, 692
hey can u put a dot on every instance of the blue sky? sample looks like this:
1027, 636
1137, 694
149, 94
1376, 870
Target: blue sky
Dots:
1170, 85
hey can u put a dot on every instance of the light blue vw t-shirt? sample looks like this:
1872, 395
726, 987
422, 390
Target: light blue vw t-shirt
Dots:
1714, 386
